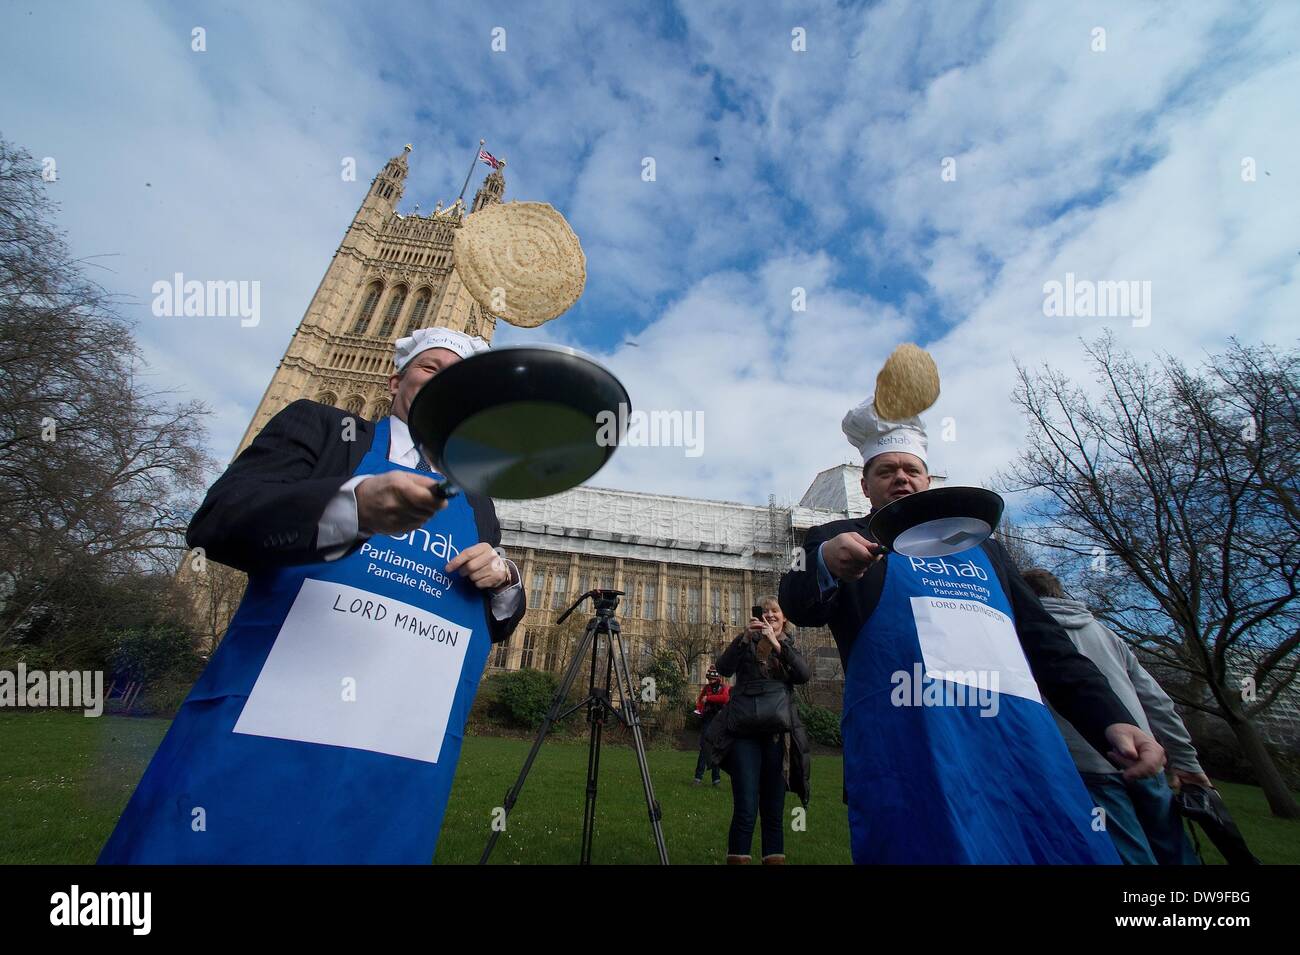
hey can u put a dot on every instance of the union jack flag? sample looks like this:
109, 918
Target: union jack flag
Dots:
488, 159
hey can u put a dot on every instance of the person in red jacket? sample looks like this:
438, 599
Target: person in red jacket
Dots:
712, 698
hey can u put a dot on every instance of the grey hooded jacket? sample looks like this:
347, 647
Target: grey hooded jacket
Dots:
1134, 686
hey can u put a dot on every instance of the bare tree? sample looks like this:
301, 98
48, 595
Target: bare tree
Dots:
213, 591
565, 639
1171, 498
826, 688
1018, 545
689, 642
98, 472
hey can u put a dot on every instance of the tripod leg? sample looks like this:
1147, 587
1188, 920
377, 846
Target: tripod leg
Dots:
556, 705
633, 718
593, 773
599, 710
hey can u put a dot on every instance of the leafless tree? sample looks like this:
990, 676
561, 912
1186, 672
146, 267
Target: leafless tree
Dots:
826, 688
567, 639
1171, 499
1018, 544
213, 591
689, 642
98, 472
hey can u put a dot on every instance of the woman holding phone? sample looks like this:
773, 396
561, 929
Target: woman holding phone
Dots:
752, 734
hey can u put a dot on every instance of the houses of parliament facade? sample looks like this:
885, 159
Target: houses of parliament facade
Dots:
690, 568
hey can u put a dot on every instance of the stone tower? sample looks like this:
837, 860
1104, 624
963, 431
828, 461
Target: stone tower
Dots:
391, 273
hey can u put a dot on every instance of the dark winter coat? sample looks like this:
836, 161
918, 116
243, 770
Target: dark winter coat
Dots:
741, 659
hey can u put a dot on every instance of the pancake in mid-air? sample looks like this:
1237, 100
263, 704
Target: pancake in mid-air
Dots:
907, 385
520, 261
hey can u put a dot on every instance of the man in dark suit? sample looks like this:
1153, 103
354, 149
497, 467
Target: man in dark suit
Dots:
927, 777
292, 498
328, 725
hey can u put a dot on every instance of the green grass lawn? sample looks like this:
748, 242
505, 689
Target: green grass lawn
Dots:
64, 780
546, 824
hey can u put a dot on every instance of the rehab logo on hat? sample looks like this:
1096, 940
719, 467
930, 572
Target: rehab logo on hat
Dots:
422, 339
872, 435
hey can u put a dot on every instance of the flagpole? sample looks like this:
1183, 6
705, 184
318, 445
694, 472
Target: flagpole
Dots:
472, 163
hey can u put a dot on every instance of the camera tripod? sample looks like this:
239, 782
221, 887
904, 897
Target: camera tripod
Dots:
600, 707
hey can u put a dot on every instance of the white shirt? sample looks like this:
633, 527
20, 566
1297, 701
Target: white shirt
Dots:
339, 529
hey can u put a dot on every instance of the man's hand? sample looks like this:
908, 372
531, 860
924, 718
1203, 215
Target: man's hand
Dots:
396, 502
1182, 777
483, 566
1134, 751
848, 556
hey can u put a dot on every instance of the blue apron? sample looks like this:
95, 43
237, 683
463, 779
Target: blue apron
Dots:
266, 763
944, 770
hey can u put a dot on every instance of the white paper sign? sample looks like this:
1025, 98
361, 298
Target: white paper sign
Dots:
964, 640
353, 669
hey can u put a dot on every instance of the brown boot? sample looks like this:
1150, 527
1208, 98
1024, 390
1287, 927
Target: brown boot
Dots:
738, 860
774, 860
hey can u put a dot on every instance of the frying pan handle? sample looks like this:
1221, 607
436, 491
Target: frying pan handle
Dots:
445, 490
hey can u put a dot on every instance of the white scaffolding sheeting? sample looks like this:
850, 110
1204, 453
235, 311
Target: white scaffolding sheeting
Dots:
652, 527
838, 489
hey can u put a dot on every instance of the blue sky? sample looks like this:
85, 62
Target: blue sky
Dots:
1114, 164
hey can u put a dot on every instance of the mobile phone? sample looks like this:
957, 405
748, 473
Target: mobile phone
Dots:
757, 612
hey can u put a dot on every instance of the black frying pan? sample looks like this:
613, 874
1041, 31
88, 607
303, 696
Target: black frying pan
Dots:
938, 522
517, 422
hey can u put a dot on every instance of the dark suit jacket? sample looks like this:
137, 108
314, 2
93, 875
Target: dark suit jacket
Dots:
264, 511
1069, 680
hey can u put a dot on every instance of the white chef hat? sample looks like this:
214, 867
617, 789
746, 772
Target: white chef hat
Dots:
422, 339
871, 435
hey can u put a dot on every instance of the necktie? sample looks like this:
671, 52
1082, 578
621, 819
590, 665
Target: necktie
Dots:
420, 463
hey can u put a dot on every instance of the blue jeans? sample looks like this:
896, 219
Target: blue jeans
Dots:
756, 765
703, 762
1141, 820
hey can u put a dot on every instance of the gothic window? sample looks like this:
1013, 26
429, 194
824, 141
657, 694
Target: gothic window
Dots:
500, 654
327, 398
417, 312
715, 604
737, 608
693, 605
395, 304
380, 409
539, 584
559, 590
354, 405
552, 656
367, 309
530, 641
651, 601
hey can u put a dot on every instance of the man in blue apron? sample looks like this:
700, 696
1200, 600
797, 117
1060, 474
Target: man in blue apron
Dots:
327, 726
950, 755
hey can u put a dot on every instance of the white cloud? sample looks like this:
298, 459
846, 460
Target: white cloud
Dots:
1116, 165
